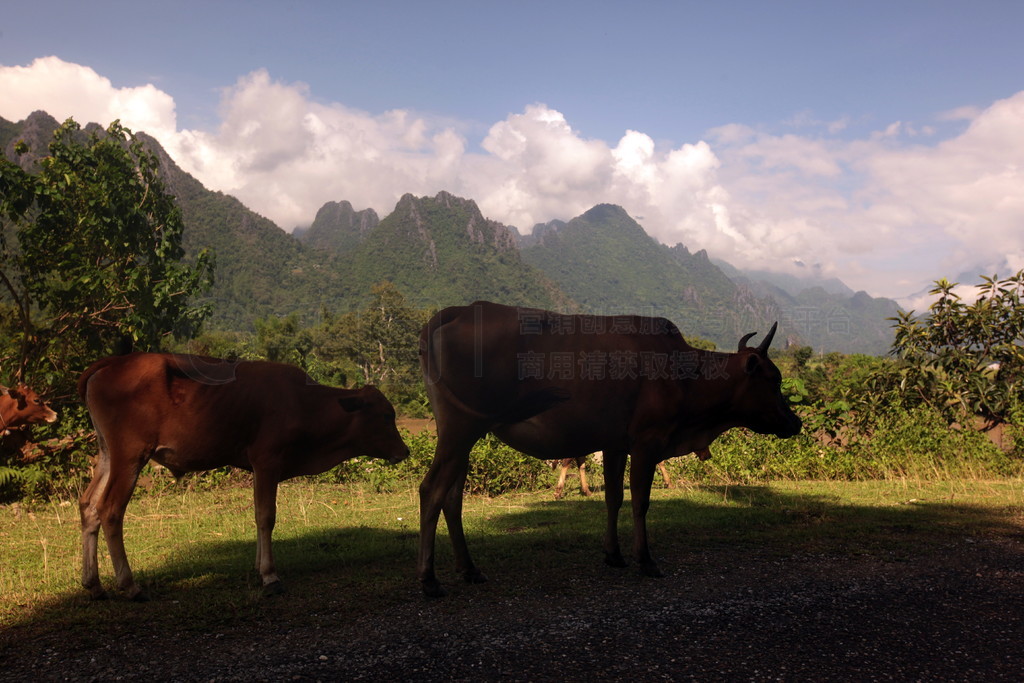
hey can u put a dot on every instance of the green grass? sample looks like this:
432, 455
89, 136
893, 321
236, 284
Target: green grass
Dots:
344, 550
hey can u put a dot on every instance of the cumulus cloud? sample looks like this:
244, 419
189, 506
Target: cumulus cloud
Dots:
66, 90
887, 212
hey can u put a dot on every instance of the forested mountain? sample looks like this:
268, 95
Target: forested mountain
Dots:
260, 269
338, 227
824, 312
441, 251
606, 262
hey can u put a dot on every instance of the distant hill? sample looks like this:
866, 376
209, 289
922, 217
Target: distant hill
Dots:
442, 251
260, 269
338, 227
791, 284
825, 313
606, 262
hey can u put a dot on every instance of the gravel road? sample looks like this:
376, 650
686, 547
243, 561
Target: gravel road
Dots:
952, 612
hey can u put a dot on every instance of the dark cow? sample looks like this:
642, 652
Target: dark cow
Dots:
190, 414
21, 406
556, 386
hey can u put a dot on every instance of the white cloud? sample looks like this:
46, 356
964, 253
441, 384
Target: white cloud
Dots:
887, 212
66, 90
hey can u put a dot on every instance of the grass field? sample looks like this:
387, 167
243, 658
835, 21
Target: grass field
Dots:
343, 549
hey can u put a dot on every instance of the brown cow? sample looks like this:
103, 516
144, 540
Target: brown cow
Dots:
190, 413
556, 386
20, 407
580, 462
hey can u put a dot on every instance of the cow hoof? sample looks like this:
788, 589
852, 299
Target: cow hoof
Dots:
434, 589
98, 594
651, 569
273, 588
139, 596
615, 560
474, 576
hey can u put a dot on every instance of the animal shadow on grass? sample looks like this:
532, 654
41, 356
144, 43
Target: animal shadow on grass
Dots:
210, 583
548, 545
533, 547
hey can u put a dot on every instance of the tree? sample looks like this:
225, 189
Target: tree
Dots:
283, 340
381, 342
966, 359
91, 258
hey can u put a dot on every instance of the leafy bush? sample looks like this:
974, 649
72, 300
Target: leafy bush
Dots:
916, 443
965, 359
494, 468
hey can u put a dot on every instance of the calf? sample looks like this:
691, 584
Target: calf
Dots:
190, 413
580, 462
20, 407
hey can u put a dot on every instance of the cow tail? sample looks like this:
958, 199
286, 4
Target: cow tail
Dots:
83, 380
428, 363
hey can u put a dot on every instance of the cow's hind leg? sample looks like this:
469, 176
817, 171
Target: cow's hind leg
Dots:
563, 470
614, 471
665, 475
641, 476
442, 489
453, 519
103, 505
582, 463
88, 510
265, 500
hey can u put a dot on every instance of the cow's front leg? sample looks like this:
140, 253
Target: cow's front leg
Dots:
614, 471
641, 476
265, 499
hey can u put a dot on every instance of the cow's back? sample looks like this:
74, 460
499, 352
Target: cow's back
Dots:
192, 413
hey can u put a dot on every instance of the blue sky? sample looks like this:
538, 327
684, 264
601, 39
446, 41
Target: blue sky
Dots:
871, 140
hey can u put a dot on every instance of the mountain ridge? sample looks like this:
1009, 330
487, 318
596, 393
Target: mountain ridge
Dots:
442, 251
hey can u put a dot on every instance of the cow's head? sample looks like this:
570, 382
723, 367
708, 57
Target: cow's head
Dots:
373, 418
758, 398
21, 406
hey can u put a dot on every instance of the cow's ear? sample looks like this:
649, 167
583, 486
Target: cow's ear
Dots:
752, 364
18, 396
352, 404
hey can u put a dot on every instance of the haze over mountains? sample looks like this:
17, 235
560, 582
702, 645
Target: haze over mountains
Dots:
442, 251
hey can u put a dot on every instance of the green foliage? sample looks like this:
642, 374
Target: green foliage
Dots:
914, 444
94, 255
90, 263
441, 251
377, 345
282, 340
495, 468
965, 359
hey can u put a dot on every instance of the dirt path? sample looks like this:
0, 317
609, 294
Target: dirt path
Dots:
951, 612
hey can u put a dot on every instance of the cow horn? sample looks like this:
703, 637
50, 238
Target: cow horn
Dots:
767, 341
744, 339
